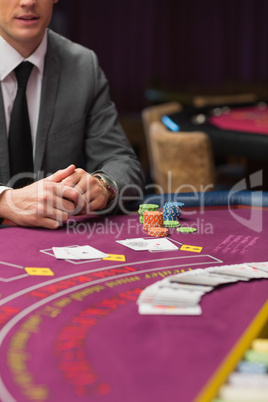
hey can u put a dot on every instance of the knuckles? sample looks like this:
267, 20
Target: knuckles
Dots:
48, 203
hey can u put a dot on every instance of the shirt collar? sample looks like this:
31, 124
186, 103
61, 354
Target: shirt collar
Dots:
10, 58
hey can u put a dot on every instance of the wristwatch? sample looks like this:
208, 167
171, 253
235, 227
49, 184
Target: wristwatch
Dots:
108, 183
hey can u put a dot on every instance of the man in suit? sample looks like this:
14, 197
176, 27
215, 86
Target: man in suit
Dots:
81, 158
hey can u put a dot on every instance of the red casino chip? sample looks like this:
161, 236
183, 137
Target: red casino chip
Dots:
157, 232
153, 218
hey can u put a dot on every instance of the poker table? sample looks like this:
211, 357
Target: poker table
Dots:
71, 330
234, 129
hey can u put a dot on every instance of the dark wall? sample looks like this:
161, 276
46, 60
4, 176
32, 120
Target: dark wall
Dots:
177, 44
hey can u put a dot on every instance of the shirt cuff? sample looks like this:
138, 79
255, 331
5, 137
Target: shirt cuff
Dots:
2, 189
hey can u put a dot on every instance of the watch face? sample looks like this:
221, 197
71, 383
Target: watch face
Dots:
109, 183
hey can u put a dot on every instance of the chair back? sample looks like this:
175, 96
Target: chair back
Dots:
152, 114
182, 161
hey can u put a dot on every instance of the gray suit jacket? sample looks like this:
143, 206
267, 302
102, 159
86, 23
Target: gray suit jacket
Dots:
78, 123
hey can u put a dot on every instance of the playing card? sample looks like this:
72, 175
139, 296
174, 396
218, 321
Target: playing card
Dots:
88, 252
180, 294
173, 280
201, 277
225, 272
243, 270
64, 253
161, 245
153, 245
167, 294
262, 266
176, 297
147, 295
171, 310
137, 244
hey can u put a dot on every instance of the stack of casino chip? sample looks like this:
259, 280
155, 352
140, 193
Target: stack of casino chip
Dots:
157, 231
249, 381
152, 219
171, 224
146, 207
172, 211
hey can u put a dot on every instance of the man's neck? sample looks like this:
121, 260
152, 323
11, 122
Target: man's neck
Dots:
25, 48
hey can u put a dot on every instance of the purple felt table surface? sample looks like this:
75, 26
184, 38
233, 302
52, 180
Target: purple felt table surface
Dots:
76, 335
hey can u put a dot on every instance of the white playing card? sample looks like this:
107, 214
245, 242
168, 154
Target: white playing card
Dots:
148, 293
64, 253
175, 297
164, 310
262, 266
243, 270
167, 294
137, 244
227, 272
88, 252
201, 277
180, 294
161, 245
201, 288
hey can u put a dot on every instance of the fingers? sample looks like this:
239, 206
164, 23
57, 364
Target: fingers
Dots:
43, 204
60, 175
56, 198
54, 204
53, 221
78, 179
96, 196
49, 202
48, 223
68, 199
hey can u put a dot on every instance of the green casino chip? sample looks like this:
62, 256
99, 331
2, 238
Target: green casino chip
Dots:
172, 224
186, 230
147, 207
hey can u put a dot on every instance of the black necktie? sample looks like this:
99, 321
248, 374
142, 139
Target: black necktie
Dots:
19, 139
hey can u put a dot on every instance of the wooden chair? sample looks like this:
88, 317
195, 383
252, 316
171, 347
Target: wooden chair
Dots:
150, 115
182, 161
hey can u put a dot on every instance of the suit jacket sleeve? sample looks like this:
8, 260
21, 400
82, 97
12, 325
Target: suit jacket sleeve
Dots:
106, 146
78, 122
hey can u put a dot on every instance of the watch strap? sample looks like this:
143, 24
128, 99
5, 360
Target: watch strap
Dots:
108, 183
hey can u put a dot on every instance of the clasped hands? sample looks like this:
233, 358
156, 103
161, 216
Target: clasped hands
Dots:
49, 202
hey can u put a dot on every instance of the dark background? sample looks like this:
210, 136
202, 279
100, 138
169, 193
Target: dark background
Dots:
180, 45
155, 50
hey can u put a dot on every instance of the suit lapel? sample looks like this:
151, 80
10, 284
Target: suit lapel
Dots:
47, 106
4, 159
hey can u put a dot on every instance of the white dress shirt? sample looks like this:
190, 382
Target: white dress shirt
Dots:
9, 60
